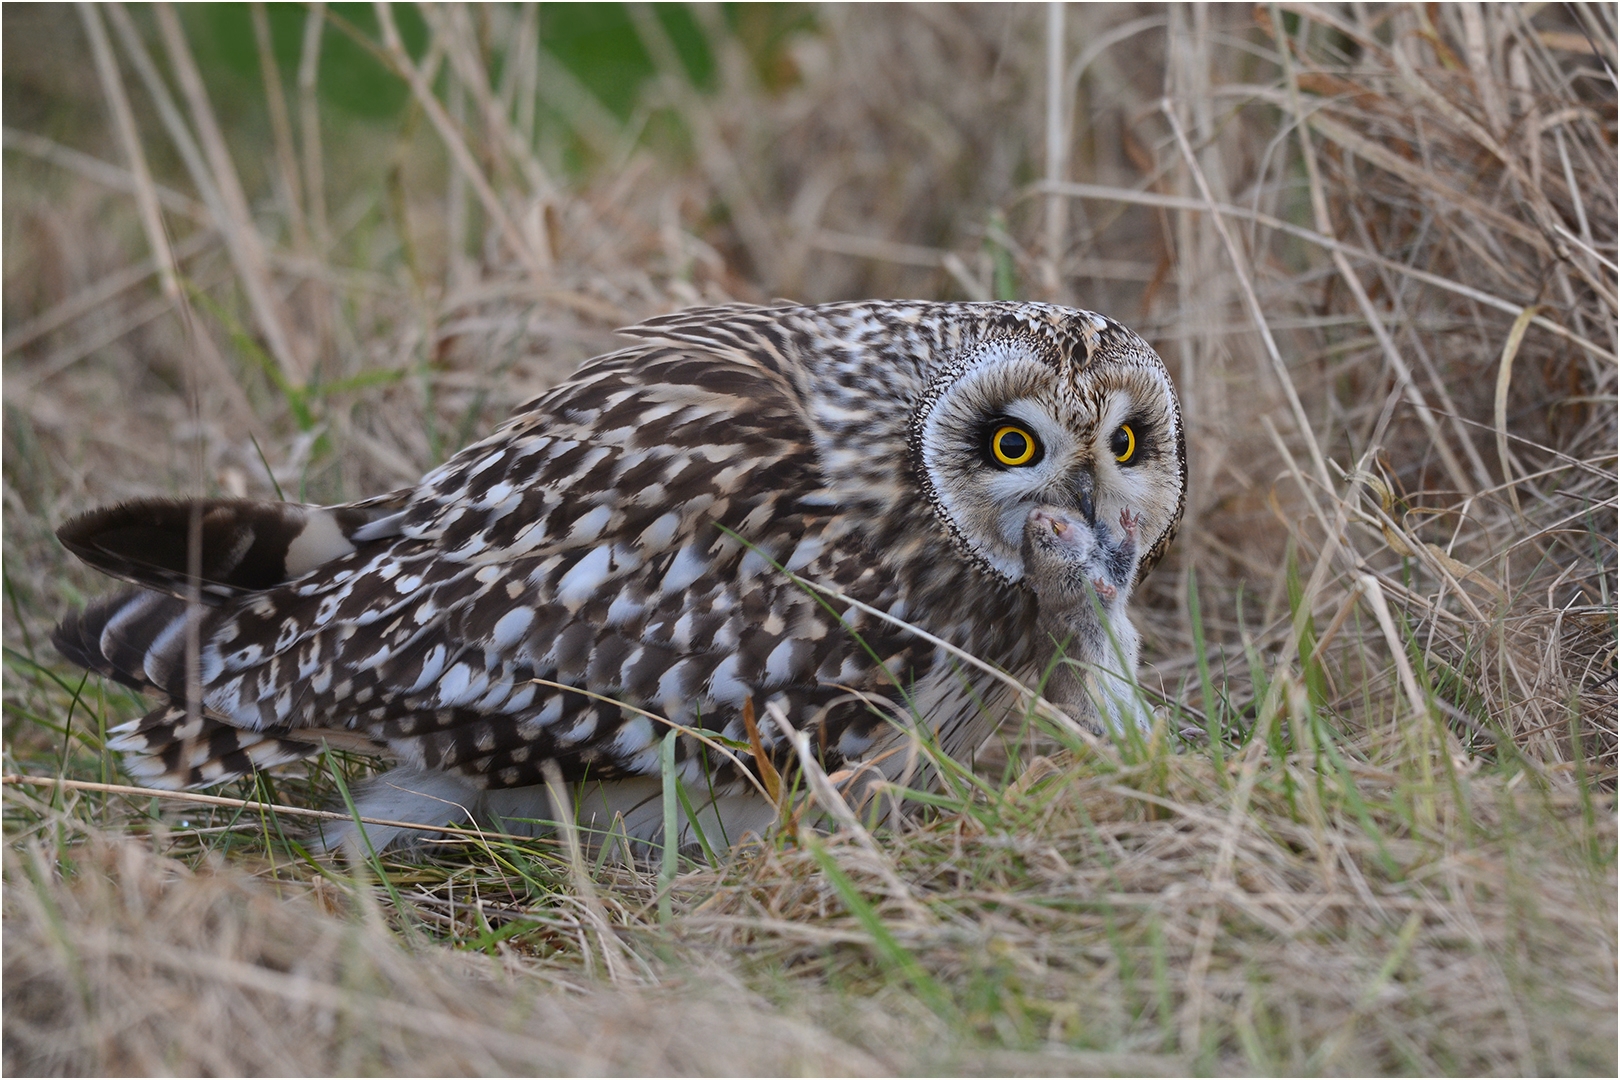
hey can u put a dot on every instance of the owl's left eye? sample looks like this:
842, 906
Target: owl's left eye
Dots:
1013, 445
1123, 444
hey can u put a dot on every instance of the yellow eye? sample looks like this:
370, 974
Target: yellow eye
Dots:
1013, 445
1123, 444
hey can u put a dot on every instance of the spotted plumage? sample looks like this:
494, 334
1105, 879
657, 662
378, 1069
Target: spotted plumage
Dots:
622, 554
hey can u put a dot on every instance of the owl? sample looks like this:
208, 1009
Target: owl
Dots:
734, 529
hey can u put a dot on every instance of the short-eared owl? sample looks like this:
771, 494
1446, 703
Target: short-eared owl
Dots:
622, 554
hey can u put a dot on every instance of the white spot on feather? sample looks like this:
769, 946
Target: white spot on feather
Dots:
496, 696
521, 700
584, 578
460, 685
727, 636
318, 542
381, 528
634, 735
661, 533
432, 666
807, 551
680, 635
529, 537
688, 566
669, 686
583, 729
509, 629
779, 665
753, 564
590, 459
589, 525
658, 411
490, 461
724, 686
623, 609
327, 609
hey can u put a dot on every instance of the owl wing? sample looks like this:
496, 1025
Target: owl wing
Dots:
610, 558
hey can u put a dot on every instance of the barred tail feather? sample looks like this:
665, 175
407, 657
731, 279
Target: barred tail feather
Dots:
135, 637
167, 748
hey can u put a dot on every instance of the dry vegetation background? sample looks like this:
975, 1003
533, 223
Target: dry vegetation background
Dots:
1376, 246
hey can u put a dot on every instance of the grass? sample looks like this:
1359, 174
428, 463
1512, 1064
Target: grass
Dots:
1375, 831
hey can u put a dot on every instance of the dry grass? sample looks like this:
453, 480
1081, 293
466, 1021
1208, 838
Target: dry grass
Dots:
1377, 248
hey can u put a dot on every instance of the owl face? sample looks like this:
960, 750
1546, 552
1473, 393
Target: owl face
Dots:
1013, 424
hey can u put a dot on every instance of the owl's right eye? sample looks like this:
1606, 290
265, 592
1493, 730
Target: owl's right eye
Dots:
1013, 445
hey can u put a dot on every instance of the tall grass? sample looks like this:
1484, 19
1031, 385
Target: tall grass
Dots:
1375, 831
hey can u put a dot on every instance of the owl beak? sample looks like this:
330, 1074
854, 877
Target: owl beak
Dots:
1084, 489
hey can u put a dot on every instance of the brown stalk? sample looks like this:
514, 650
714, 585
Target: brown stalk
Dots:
241, 235
280, 126
101, 172
536, 261
112, 87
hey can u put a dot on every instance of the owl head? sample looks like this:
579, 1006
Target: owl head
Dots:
1059, 408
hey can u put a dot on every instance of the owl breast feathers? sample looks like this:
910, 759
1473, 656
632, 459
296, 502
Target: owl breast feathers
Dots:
635, 548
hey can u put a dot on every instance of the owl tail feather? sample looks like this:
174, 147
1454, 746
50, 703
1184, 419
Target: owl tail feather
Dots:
174, 748
136, 637
139, 639
234, 546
